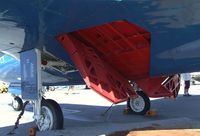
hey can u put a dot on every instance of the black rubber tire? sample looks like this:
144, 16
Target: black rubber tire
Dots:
147, 104
20, 103
58, 121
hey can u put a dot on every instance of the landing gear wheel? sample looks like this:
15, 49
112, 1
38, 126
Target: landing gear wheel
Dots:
52, 88
17, 103
139, 105
51, 116
59, 114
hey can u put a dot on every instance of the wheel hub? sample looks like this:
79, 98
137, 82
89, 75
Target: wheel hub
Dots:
137, 104
15, 104
46, 119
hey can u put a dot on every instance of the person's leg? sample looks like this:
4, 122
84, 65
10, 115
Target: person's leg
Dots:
186, 89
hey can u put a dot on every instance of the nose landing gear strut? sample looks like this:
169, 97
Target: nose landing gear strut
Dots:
47, 113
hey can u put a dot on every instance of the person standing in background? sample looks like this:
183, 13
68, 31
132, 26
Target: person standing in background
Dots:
186, 77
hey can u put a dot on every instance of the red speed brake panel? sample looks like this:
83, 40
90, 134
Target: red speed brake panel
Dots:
109, 55
99, 75
123, 45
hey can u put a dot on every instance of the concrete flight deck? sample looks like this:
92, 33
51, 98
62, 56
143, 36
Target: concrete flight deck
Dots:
84, 114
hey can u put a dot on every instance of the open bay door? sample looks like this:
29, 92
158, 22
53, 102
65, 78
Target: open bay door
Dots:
31, 74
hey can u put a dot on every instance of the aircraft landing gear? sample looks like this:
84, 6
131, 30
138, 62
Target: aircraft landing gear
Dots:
139, 105
17, 103
47, 113
50, 117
